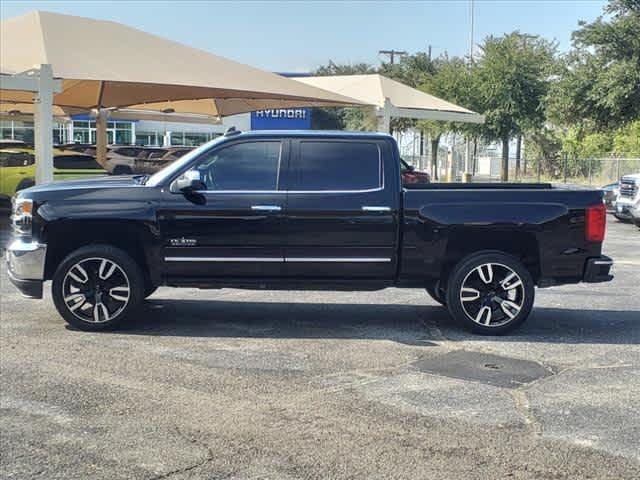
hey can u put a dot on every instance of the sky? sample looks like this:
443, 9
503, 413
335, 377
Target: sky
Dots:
298, 36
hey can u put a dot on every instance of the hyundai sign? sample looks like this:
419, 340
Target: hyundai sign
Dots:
281, 119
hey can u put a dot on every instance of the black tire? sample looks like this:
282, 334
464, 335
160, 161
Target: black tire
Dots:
488, 275
110, 293
122, 170
437, 293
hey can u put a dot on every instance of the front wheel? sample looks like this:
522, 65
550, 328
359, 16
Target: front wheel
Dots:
490, 293
96, 287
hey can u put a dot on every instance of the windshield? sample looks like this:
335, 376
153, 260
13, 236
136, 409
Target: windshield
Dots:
170, 170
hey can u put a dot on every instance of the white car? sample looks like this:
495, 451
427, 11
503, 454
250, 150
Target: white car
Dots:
628, 196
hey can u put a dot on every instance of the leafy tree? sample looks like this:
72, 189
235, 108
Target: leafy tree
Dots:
627, 140
599, 83
333, 68
412, 70
512, 75
450, 79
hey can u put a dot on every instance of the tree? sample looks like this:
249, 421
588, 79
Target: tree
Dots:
512, 74
452, 80
333, 68
627, 140
599, 84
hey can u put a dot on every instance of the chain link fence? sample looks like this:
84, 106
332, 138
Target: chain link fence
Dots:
486, 166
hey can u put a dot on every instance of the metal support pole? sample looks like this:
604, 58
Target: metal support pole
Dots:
590, 161
102, 115
450, 164
385, 122
539, 170
43, 125
565, 167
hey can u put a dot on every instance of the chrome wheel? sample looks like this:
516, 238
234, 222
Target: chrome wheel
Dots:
492, 294
96, 290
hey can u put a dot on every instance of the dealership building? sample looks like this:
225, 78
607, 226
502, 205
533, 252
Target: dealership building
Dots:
82, 128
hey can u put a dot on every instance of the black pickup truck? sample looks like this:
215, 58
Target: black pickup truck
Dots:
302, 210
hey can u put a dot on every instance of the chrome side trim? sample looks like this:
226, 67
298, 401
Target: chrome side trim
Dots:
337, 259
376, 209
266, 208
26, 260
281, 259
212, 192
224, 259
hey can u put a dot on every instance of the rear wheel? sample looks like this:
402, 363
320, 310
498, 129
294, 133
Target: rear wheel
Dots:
490, 293
96, 287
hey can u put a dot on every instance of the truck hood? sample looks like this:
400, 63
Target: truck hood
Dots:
106, 181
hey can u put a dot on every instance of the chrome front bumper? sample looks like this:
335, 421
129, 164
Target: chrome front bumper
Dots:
25, 266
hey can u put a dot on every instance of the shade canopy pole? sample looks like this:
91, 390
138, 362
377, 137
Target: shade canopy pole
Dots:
384, 123
102, 115
43, 124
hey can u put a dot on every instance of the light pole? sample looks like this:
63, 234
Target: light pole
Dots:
467, 158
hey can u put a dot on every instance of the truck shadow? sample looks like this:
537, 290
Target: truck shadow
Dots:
420, 325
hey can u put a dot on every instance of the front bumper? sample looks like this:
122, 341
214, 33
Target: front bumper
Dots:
25, 266
623, 211
597, 269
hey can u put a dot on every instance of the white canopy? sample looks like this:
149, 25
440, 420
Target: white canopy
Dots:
393, 98
111, 65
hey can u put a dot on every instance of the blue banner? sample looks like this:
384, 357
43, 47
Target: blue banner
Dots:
281, 119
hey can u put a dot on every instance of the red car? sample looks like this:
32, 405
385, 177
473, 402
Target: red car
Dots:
412, 176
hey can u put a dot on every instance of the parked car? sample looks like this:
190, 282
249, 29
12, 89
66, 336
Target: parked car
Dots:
610, 195
155, 162
122, 160
88, 148
629, 195
412, 176
18, 169
333, 216
12, 144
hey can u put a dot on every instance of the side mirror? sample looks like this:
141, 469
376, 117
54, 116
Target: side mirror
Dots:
411, 168
188, 182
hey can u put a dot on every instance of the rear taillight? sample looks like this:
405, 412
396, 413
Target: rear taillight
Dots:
595, 223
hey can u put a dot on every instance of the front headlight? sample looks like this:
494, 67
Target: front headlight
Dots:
22, 217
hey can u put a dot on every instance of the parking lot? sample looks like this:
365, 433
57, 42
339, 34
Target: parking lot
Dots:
240, 384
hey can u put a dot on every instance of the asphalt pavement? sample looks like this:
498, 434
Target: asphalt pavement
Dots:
233, 384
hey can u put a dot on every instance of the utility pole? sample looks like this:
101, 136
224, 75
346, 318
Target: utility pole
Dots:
429, 52
392, 54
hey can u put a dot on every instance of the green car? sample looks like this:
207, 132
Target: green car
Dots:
18, 168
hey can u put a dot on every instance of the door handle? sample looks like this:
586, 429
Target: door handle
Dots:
376, 209
266, 208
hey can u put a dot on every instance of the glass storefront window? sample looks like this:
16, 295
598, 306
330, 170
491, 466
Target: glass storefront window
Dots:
123, 137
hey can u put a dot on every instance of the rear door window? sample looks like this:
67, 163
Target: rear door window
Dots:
336, 166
